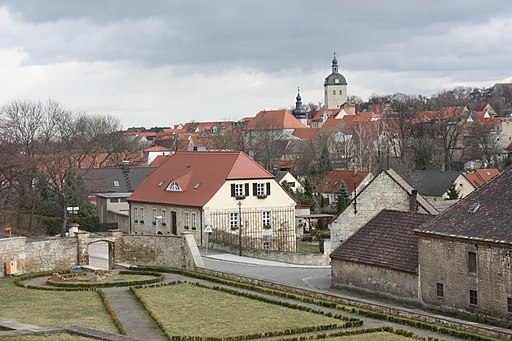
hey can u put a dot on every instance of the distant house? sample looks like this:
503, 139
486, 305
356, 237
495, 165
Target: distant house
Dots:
225, 191
109, 188
291, 181
330, 186
152, 152
387, 190
382, 256
465, 254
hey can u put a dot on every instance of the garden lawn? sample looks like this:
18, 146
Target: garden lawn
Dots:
188, 310
49, 337
53, 308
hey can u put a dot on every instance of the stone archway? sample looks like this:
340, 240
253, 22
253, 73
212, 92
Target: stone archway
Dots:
100, 254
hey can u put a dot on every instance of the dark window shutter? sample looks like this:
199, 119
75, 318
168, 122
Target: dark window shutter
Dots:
247, 190
254, 189
232, 190
268, 188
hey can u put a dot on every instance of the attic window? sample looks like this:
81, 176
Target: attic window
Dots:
197, 185
116, 183
473, 208
173, 186
161, 183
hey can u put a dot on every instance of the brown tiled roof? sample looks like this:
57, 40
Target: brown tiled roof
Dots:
199, 174
388, 240
333, 181
483, 215
305, 133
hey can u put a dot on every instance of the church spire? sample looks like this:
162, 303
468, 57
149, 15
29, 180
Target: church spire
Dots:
299, 112
334, 64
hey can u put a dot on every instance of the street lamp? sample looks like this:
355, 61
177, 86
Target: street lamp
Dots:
158, 217
240, 228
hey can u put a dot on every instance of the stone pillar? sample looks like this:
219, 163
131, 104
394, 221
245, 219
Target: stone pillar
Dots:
191, 258
82, 252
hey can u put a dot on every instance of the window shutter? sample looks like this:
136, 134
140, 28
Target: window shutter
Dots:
247, 190
254, 189
232, 190
268, 188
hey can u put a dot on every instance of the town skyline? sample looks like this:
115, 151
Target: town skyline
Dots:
179, 62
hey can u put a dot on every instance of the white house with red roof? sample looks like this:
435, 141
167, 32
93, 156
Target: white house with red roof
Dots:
226, 192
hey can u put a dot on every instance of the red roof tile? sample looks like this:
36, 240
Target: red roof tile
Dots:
206, 170
332, 182
305, 133
274, 119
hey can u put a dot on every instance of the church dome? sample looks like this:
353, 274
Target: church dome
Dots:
335, 78
299, 112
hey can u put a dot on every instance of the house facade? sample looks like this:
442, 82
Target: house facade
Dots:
227, 192
465, 254
387, 190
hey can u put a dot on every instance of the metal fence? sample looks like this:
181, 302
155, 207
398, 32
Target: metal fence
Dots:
280, 236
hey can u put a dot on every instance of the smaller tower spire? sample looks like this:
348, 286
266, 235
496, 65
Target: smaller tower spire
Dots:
299, 112
334, 64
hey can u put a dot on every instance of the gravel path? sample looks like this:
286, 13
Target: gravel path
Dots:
132, 315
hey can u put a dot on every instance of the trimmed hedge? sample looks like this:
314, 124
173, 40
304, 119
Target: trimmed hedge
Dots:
112, 313
331, 304
350, 322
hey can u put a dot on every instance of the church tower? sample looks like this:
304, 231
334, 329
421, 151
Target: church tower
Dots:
335, 88
299, 112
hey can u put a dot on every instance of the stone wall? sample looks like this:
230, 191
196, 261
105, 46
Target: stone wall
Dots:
63, 253
445, 261
55, 253
373, 278
382, 193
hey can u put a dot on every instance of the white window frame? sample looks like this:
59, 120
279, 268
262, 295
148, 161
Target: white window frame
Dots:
136, 214
261, 189
141, 213
267, 218
233, 220
194, 221
186, 219
164, 217
174, 187
154, 216
239, 190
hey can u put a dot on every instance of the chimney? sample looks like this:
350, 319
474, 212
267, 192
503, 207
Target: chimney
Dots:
413, 201
125, 166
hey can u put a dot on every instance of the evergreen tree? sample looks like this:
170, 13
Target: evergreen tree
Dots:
343, 200
453, 192
307, 197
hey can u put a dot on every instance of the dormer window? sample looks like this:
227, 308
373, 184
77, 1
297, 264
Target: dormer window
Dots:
174, 187
116, 183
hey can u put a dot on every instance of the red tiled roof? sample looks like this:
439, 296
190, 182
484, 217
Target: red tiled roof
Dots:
305, 133
159, 160
332, 182
157, 149
199, 174
481, 176
330, 114
274, 119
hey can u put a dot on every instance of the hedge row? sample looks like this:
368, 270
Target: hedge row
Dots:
112, 313
79, 285
275, 333
330, 304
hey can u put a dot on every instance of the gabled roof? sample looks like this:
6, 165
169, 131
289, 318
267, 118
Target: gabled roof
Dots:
199, 174
274, 119
305, 133
388, 240
331, 113
481, 176
408, 189
483, 215
113, 180
432, 182
333, 181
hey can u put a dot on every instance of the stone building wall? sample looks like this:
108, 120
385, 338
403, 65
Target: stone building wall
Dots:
63, 253
55, 253
445, 261
382, 193
122, 220
373, 278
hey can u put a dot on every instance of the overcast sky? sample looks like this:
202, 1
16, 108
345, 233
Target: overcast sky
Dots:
165, 62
